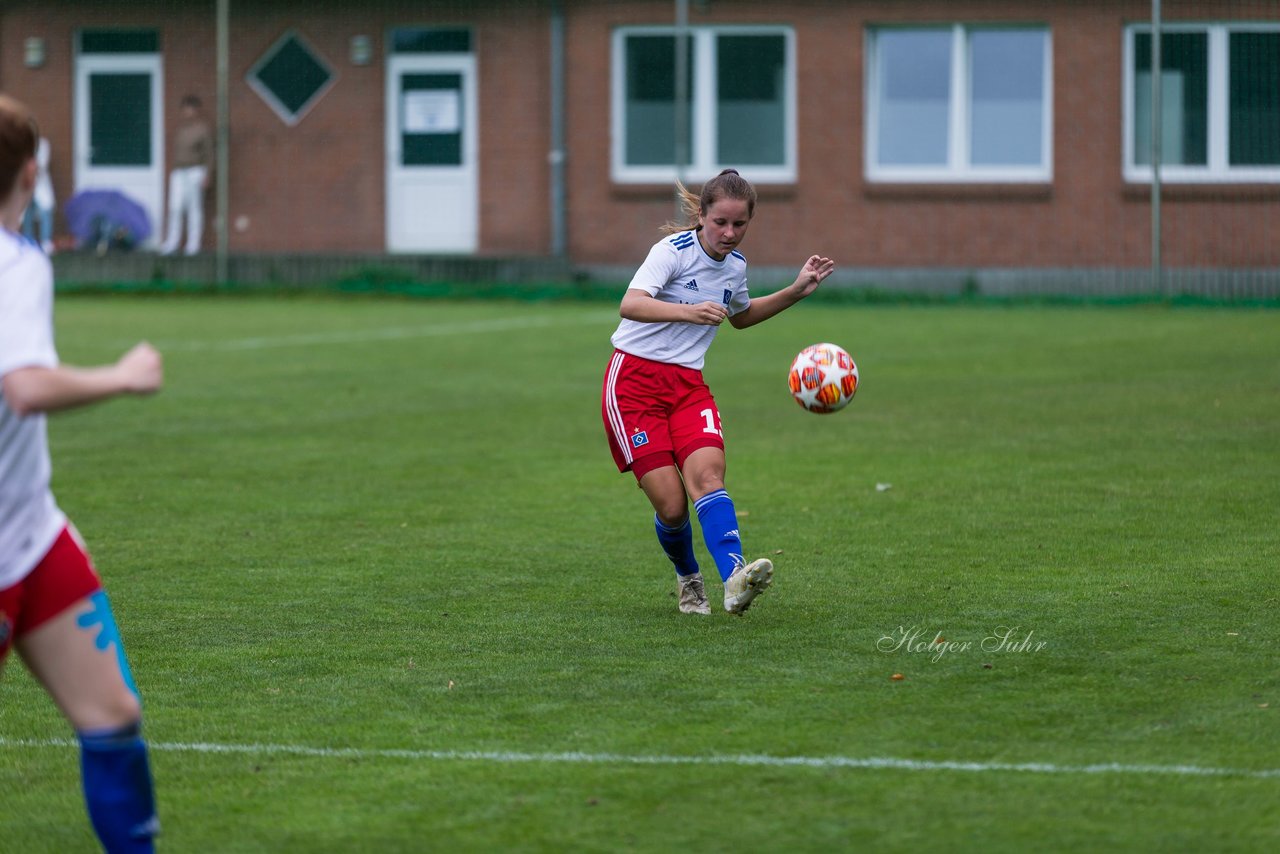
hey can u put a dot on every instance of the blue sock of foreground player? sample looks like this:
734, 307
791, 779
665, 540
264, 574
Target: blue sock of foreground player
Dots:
117, 789
719, 524
678, 544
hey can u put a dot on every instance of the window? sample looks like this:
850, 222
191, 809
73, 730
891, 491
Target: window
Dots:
433, 40
291, 77
958, 103
120, 119
740, 112
119, 41
1219, 103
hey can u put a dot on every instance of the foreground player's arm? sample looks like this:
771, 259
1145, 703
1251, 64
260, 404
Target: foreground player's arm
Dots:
640, 306
811, 275
41, 389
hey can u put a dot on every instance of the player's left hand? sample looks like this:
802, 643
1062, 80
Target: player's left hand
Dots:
817, 268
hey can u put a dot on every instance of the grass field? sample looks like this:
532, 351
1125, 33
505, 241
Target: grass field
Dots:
383, 590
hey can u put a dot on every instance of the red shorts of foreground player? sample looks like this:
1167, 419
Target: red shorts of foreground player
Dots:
63, 577
656, 414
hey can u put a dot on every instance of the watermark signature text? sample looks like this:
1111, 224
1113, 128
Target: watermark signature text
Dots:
919, 640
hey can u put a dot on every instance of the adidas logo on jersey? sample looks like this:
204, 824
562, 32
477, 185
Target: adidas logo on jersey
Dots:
692, 285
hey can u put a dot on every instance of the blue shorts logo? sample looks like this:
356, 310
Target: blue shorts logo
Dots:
728, 294
641, 438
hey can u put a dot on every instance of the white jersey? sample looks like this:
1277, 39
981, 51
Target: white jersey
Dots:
30, 521
679, 270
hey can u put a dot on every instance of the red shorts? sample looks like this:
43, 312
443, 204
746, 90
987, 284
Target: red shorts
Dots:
656, 414
63, 577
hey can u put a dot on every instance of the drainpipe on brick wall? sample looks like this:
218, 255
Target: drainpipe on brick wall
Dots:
556, 157
681, 123
1157, 131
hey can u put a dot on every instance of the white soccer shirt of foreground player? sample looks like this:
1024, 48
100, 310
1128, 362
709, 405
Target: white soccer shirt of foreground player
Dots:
679, 270
29, 518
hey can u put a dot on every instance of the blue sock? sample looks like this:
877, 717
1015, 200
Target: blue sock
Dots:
117, 789
719, 524
678, 544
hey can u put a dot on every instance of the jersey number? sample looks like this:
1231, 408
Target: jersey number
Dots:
713, 422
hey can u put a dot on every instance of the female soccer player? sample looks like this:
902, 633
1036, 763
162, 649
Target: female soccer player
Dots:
659, 415
52, 606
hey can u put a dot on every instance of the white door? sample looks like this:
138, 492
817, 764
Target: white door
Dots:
432, 184
119, 129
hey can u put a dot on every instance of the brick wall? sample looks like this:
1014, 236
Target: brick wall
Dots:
1087, 216
320, 186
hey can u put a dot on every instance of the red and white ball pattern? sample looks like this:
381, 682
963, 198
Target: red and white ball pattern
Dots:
823, 378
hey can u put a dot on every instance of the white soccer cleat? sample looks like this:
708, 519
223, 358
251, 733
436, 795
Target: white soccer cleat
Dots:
693, 597
747, 582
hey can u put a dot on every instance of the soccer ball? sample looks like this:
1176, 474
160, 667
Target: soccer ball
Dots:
823, 378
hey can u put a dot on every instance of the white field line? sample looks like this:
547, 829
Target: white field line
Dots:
743, 760
389, 333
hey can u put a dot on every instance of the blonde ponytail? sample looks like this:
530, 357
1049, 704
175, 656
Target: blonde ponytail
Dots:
690, 204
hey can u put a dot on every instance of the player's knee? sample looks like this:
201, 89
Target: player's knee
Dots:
110, 710
671, 507
664, 489
706, 482
125, 708
673, 514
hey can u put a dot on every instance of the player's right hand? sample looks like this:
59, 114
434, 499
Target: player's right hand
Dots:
142, 369
708, 313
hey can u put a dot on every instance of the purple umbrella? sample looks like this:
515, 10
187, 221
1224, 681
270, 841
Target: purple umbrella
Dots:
107, 219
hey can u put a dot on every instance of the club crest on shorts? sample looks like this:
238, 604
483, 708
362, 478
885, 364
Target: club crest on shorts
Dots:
639, 438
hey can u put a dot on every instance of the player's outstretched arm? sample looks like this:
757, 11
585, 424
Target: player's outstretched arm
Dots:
38, 389
815, 269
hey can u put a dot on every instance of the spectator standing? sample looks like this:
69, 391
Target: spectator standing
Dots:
192, 164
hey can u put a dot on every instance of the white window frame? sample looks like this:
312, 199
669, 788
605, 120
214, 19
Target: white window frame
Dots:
958, 168
703, 100
1217, 169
